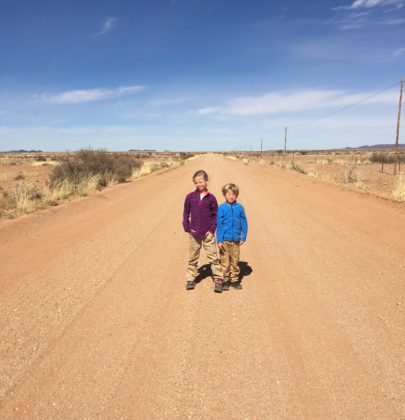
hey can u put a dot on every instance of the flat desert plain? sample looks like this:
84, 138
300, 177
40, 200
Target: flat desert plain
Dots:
96, 321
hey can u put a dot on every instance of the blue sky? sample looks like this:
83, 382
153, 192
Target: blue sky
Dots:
198, 74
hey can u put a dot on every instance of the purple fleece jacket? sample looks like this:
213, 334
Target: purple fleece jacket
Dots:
203, 214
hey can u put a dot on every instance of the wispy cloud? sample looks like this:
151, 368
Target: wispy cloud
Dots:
368, 4
160, 102
362, 13
88, 95
299, 102
107, 26
209, 110
398, 53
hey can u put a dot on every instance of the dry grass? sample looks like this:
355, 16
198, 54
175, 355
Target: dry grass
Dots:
356, 169
399, 190
25, 197
49, 178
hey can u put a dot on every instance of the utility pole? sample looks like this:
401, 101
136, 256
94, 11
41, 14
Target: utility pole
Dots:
261, 148
285, 141
398, 124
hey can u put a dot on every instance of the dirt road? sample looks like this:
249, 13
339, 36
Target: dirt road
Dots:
96, 322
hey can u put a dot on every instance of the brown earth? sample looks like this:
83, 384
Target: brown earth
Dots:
12, 175
354, 170
96, 322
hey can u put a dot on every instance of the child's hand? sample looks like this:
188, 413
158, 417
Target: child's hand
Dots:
220, 246
209, 235
241, 243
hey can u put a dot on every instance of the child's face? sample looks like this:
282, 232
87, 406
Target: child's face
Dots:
230, 196
200, 183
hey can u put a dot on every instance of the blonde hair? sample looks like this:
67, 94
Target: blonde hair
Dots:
230, 187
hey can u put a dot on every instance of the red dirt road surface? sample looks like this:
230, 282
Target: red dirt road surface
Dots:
96, 322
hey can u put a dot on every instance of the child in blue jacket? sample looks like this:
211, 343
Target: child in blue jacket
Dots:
232, 230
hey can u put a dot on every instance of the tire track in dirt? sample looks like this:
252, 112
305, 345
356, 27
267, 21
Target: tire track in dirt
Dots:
325, 292
55, 291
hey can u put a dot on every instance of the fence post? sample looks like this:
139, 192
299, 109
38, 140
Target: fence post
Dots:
398, 124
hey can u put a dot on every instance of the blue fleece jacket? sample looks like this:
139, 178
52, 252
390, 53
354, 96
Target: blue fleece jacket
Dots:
231, 222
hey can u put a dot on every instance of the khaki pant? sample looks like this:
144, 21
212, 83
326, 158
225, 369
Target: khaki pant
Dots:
211, 251
229, 258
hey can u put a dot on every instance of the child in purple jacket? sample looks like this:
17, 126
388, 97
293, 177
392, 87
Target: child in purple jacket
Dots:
200, 221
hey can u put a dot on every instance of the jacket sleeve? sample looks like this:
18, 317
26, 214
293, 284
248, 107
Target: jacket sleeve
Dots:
220, 226
186, 215
214, 211
244, 225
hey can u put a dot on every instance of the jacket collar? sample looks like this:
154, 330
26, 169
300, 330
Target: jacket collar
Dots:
207, 193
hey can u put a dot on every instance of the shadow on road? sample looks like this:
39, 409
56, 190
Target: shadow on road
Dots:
205, 271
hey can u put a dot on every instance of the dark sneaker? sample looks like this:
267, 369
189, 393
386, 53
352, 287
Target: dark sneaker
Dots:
237, 285
225, 285
218, 285
190, 285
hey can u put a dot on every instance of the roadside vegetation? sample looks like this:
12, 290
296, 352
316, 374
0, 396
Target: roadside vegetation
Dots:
365, 170
72, 174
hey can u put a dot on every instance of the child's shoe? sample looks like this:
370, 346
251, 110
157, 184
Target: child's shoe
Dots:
218, 285
237, 285
190, 285
225, 285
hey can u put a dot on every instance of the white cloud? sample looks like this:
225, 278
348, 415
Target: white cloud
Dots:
208, 110
368, 4
89, 95
167, 101
362, 13
298, 102
107, 26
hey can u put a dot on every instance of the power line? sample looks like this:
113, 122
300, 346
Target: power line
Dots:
346, 107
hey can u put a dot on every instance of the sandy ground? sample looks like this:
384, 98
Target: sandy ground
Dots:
96, 322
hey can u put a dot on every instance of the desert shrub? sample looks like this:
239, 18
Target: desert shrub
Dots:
164, 165
24, 197
19, 177
383, 158
298, 169
186, 155
378, 157
123, 167
87, 164
351, 176
40, 158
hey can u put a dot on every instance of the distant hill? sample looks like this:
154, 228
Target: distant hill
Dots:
377, 147
22, 151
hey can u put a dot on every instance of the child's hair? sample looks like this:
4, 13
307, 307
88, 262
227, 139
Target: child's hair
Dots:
202, 174
230, 187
